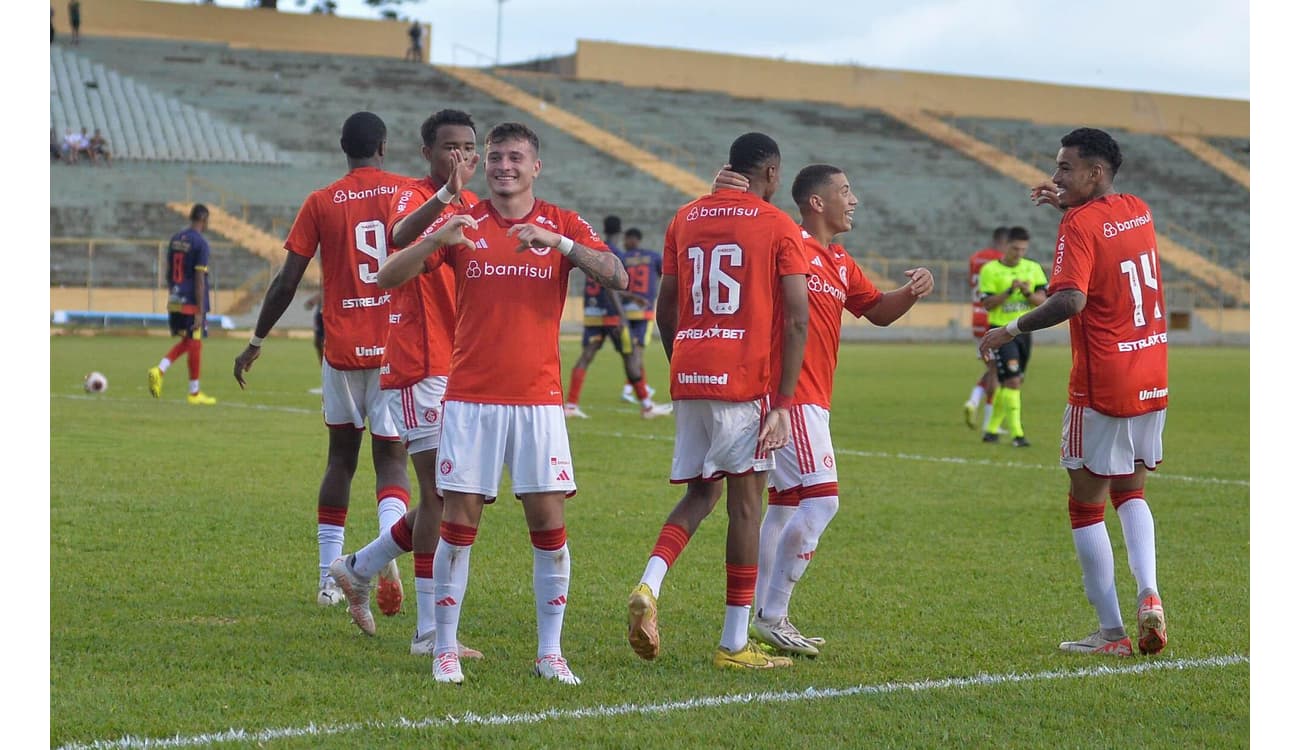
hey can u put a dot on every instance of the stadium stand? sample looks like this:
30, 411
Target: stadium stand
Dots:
141, 123
923, 199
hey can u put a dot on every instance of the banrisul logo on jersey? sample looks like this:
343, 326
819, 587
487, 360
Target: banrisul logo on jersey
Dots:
477, 270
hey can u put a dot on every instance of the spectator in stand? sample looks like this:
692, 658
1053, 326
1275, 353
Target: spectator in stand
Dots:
99, 149
83, 145
415, 52
70, 142
56, 145
74, 18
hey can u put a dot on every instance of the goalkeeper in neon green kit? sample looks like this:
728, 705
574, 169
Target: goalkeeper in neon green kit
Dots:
1010, 287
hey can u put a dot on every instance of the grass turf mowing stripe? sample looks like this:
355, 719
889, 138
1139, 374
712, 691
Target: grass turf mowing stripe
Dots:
625, 709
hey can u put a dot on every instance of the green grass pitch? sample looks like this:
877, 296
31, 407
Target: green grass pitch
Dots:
183, 573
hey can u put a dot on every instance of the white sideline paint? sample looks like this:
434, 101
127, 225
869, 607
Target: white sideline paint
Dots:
627, 709
1156, 475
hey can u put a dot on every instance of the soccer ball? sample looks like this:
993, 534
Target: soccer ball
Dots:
95, 382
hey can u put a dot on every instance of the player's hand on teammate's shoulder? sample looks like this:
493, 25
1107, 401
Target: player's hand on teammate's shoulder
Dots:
531, 235
920, 281
726, 179
244, 362
453, 231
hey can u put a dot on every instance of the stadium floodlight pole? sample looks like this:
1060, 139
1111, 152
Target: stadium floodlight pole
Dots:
500, 4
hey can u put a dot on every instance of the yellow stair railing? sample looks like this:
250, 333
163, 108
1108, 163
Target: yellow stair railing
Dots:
598, 138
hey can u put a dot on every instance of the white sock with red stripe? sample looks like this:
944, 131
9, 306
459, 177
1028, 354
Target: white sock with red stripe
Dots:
769, 537
393, 502
330, 522
550, 587
795, 551
450, 580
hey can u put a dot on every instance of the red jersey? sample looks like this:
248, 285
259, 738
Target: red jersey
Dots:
346, 221
979, 317
422, 311
506, 348
835, 284
727, 253
1107, 250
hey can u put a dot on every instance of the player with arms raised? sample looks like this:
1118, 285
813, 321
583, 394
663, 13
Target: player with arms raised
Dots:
1106, 281
733, 318
511, 255
345, 221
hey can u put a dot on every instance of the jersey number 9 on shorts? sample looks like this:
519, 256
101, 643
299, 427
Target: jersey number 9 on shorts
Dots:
371, 241
724, 291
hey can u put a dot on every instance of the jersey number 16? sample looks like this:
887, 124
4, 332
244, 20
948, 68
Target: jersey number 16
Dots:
724, 291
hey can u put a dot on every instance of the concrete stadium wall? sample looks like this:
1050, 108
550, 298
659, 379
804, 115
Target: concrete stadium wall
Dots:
243, 27
962, 96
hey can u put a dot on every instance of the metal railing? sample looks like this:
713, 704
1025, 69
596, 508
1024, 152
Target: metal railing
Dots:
101, 270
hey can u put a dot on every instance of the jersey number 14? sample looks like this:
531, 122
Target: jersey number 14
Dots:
1130, 269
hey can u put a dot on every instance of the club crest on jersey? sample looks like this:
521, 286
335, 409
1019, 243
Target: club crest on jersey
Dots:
844, 275
540, 251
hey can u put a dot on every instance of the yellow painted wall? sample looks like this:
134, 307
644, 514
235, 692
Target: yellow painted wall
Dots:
241, 27
763, 78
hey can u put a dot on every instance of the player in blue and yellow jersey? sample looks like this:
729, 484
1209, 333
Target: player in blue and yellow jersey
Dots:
188, 301
604, 318
644, 267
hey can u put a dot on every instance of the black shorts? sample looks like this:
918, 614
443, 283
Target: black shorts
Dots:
183, 323
1013, 357
617, 335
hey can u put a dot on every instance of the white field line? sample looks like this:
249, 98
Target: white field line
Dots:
1156, 475
630, 709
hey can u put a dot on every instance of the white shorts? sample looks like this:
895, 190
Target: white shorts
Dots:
717, 438
531, 441
417, 412
351, 397
808, 460
1110, 446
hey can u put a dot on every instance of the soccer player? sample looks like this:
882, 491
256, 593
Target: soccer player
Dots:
733, 319
1106, 281
511, 255
804, 496
605, 319
644, 269
345, 221
986, 387
188, 302
417, 360
1009, 287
